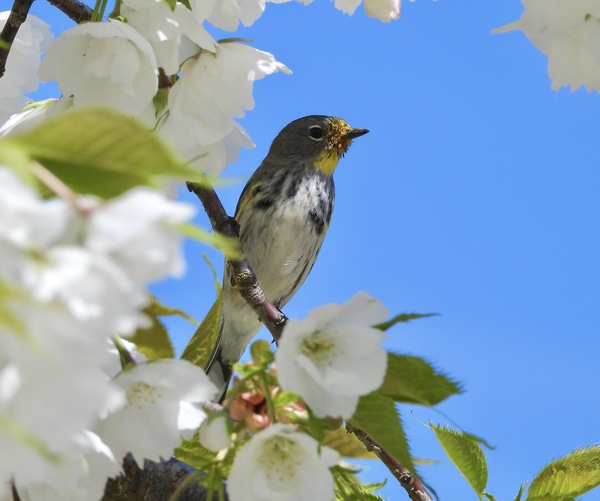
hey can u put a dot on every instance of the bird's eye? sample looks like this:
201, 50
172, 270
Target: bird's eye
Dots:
316, 132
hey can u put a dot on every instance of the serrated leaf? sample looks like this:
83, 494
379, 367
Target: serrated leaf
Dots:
521, 491
199, 348
377, 416
466, 455
153, 341
346, 444
568, 477
192, 453
348, 486
101, 152
479, 440
403, 317
412, 380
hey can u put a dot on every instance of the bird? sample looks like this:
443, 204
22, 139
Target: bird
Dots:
283, 213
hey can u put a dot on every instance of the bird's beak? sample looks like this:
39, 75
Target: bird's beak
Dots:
354, 133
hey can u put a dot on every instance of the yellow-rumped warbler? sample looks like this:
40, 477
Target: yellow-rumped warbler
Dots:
283, 213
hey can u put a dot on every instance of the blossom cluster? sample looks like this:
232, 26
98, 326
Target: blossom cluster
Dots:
157, 62
329, 360
72, 278
569, 34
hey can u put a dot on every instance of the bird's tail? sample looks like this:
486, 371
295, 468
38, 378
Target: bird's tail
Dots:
219, 370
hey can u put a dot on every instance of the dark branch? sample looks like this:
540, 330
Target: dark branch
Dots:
243, 276
411, 484
154, 481
16, 18
76, 10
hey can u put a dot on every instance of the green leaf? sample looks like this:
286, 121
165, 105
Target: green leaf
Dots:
467, 456
15, 156
521, 491
161, 98
228, 245
153, 341
413, 380
568, 477
349, 488
158, 309
261, 353
199, 348
192, 453
171, 3
346, 444
101, 152
377, 416
402, 317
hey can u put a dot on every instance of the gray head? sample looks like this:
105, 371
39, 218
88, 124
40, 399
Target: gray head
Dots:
318, 138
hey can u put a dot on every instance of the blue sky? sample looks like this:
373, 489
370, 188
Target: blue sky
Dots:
475, 195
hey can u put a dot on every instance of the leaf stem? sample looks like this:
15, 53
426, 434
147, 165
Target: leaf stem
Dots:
270, 406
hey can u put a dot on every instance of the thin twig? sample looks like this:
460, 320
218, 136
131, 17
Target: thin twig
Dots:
76, 10
15, 19
411, 484
243, 277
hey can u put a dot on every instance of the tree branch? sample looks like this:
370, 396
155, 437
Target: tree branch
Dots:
412, 484
76, 10
16, 18
155, 481
243, 277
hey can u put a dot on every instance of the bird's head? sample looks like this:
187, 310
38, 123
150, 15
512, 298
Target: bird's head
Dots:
317, 138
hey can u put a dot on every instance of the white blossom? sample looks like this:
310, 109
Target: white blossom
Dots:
80, 474
569, 34
96, 291
53, 362
215, 157
347, 6
279, 463
138, 231
161, 407
27, 220
163, 27
384, 10
334, 356
20, 76
215, 432
227, 14
212, 91
104, 64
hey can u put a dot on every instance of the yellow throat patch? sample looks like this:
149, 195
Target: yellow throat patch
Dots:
327, 161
